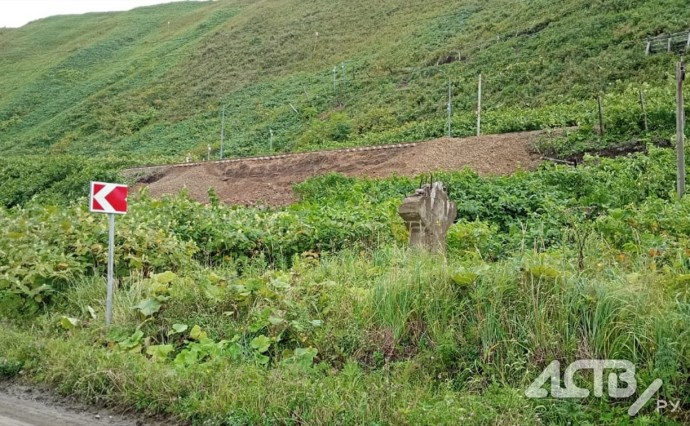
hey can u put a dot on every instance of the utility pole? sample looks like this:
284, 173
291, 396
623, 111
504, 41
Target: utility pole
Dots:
680, 129
270, 141
479, 107
450, 106
222, 133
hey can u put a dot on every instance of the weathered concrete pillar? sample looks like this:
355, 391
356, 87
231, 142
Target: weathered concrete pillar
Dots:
428, 214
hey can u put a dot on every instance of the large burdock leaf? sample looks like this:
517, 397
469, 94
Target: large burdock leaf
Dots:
159, 352
164, 277
132, 343
148, 307
197, 333
261, 343
305, 356
542, 272
68, 323
177, 329
463, 277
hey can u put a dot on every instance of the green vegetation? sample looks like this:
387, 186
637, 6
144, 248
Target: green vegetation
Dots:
153, 81
314, 313
55, 179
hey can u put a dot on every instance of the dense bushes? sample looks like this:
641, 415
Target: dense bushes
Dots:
45, 247
52, 179
563, 263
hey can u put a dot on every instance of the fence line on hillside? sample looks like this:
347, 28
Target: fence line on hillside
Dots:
455, 91
675, 42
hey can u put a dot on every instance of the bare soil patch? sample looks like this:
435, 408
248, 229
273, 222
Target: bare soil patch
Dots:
29, 406
269, 181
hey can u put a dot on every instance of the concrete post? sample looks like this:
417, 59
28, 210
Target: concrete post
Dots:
428, 214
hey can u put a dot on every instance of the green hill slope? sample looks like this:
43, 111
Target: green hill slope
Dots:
152, 81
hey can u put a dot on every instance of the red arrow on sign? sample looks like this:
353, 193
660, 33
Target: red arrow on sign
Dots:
108, 198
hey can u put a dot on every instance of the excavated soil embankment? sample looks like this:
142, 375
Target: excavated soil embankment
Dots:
269, 180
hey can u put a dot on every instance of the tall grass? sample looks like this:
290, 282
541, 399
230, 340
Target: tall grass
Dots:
406, 338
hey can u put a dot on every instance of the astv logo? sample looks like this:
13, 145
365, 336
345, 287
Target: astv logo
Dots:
571, 390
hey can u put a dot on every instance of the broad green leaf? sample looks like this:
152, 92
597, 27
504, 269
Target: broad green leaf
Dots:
178, 328
275, 320
165, 277
302, 356
281, 281
262, 359
543, 272
464, 278
159, 352
261, 343
132, 342
148, 307
186, 358
68, 323
36, 291
197, 334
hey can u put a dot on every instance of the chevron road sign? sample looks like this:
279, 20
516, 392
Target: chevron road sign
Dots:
108, 198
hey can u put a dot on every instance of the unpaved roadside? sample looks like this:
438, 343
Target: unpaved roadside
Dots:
26, 406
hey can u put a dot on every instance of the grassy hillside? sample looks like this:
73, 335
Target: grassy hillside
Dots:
152, 81
316, 313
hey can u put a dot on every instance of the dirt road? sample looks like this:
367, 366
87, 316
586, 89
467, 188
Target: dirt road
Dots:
269, 181
24, 406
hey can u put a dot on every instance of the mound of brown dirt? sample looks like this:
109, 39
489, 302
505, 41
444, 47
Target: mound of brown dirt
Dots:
269, 180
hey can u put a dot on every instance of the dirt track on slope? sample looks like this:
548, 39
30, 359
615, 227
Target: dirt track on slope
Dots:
269, 181
26, 406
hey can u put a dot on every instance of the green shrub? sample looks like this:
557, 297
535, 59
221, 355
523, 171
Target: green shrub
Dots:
472, 238
9, 368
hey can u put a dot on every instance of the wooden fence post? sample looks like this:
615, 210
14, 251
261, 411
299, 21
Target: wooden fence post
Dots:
479, 106
644, 111
601, 117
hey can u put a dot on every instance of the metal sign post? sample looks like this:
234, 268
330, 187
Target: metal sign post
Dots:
110, 198
111, 255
